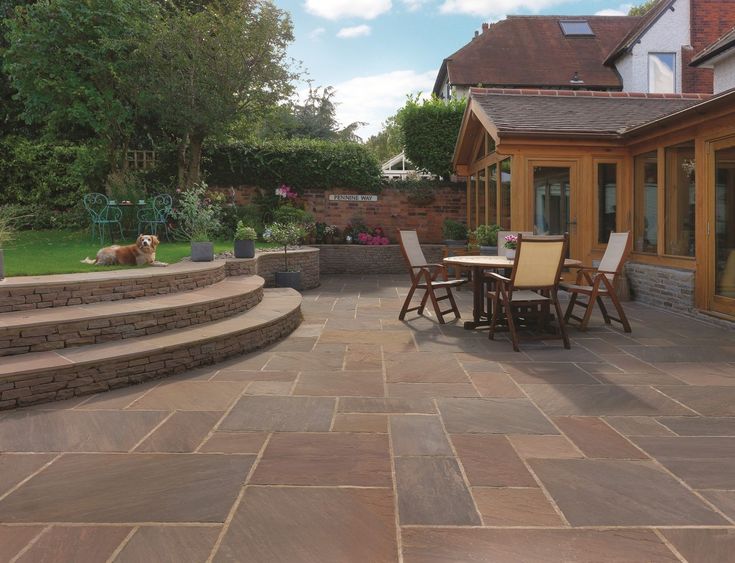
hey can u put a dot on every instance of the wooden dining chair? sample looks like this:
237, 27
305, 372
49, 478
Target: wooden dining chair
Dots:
426, 277
596, 283
503, 234
527, 295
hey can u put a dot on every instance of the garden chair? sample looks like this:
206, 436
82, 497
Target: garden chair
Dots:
503, 234
102, 215
531, 289
600, 282
426, 277
157, 214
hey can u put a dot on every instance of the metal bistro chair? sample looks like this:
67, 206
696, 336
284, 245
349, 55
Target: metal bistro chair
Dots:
102, 215
426, 276
157, 214
527, 295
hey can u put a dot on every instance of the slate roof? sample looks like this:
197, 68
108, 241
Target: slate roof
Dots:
577, 113
532, 51
711, 51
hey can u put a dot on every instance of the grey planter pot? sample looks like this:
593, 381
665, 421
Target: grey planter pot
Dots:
489, 250
244, 249
452, 242
289, 279
2, 264
202, 251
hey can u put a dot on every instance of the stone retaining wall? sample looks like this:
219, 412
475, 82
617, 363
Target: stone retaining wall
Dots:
360, 259
667, 288
306, 260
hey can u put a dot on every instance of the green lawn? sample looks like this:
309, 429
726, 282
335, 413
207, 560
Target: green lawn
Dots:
35, 253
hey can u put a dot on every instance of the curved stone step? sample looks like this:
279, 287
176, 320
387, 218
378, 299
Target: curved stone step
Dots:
47, 376
62, 290
40, 330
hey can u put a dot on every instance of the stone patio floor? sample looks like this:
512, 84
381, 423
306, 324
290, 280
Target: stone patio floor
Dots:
363, 438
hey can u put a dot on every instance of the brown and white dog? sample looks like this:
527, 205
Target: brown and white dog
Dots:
142, 252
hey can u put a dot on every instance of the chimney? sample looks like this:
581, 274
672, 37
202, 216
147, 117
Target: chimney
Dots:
485, 27
476, 34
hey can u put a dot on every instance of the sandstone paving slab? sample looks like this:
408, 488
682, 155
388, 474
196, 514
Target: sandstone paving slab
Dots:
630, 364
620, 493
603, 400
491, 461
703, 473
14, 538
183, 432
515, 507
252, 375
436, 545
363, 357
280, 414
697, 373
431, 491
329, 459
312, 525
234, 443
706, 400
707, 447
543, 447
81, 544
624, 378
390, 340
641, 425
298, 361
389, 405
416, 390
269, 388
423, 367
372, 423
683, 353
130, 488
496, 385
16, 467
418, 435
595, 439
75, 431
493, 416
116, 399
703, 545
169, 544
700, 426
191, 396
548, 373
724, 500
342, 383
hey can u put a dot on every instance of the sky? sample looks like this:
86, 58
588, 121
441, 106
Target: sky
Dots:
376, 52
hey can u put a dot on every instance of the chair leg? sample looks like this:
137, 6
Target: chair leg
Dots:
590, 306
507, 307
435, 303
562, 328
494, 319
455, 309
424, 299
621, 312
407, 302
603, 310
570, 306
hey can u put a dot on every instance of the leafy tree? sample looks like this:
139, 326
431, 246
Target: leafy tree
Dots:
642, 9
430, 128
208, 67
73, 65
10, 107
388, 142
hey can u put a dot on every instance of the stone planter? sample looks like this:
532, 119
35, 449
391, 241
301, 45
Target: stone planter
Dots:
202, 251
244, 249
2, 264
489, 250
452, 242
289, 279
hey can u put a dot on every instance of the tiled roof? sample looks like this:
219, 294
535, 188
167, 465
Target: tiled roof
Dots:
722, 44
532, 51
577, 113
642, 25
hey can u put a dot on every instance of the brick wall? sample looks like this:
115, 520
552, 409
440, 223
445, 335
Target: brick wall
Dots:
710, 19
393, 211
667, 288
358, 259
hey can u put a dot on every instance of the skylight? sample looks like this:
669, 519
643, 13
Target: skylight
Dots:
576, 27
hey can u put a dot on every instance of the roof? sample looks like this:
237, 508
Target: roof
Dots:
576, 113
643, 24
532, 51
724, 43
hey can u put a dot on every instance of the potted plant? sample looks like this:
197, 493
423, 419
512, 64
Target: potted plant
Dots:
487, 238
286, 234
197, 217
511, 243
455, 233
244, 241
7, 233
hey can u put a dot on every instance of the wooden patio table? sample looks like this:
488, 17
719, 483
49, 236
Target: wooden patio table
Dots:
477, 264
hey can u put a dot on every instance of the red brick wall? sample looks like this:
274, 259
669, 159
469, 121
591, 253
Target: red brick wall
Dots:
710, 19
392, 211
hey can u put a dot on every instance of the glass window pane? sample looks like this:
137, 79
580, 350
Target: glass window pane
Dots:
725, 223
607, 189
480, 218
505, 181
576, 28
492, 195
679, 234
551, 195
645, 206
661, 72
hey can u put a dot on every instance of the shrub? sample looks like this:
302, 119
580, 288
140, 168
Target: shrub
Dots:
285, 234
245, 233
454, 230
197, 215
487, 235
7, 231
288, 214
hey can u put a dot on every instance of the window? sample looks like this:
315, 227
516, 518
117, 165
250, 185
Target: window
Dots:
645, 204
607, 189
505, 194
492, 195
662, 73
679, 191
576, 27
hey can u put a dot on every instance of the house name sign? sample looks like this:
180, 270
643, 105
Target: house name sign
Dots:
352, 197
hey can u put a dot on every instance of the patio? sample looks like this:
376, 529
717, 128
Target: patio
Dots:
363, 438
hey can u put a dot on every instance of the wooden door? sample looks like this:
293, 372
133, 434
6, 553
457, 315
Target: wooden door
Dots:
721, 226
554, 196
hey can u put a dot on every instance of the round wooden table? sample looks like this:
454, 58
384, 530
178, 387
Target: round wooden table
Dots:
477, 264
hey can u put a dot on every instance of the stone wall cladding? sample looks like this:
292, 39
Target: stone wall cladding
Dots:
59, 384
306, 260
59, 334
359, 259
667, 288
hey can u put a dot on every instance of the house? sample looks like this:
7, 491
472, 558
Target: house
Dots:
400, 168
720, 57
649, 53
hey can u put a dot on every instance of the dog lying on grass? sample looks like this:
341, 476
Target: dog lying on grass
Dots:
142, 252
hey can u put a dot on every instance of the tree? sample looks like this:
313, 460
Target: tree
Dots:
430, 128
642, 9
71, 63
388, 142
205, 69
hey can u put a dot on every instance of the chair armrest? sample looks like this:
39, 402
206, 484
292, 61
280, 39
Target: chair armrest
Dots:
440, 266
498, 277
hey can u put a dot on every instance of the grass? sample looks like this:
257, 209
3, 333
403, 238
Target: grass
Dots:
34, 253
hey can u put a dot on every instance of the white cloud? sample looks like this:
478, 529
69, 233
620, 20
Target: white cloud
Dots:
373, 99
610, 12
352, 32
316, 33
414, 5
496, 8
337, 9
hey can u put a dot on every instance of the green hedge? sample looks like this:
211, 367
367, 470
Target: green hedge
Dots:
299, 163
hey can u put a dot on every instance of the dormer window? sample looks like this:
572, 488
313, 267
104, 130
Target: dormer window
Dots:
579, 28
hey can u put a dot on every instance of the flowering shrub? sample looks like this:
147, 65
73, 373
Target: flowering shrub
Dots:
286, 192
375, 238
511, 241
197, 214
